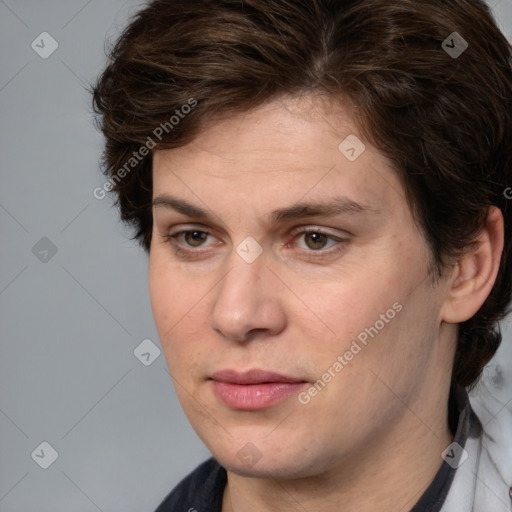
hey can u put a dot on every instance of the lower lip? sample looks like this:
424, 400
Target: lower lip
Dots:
251, 397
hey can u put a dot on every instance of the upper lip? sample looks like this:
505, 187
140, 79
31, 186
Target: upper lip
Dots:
254, 376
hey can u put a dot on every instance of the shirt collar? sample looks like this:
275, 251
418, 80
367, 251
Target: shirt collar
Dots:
464, 425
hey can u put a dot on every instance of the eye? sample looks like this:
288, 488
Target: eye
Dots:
316, 240
311, 241
194, 238
184, 242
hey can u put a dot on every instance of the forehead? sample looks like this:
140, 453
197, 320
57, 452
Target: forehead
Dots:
275, 155
278, 128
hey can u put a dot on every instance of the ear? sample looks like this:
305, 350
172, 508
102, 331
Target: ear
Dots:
474, 274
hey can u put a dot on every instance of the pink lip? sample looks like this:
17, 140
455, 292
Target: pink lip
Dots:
254, 389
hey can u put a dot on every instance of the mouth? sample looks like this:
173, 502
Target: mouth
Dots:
254, 389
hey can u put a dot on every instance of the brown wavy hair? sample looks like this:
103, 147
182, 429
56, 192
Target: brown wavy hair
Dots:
444, 121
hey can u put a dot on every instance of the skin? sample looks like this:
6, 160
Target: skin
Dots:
372, 438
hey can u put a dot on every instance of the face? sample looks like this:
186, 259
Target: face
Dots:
290, 290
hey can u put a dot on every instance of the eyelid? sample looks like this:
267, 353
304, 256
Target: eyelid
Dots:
314, 229
187, 228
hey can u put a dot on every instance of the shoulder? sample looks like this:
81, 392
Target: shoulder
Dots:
483, 476
201, 490
494, 476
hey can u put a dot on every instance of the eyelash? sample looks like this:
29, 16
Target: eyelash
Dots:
191, 253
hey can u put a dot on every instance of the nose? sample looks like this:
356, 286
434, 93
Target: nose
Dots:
247, 304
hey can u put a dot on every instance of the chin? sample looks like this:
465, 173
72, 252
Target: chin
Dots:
279, 470
266, 460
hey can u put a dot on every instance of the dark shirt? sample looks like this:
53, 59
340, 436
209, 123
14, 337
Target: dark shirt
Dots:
202, 490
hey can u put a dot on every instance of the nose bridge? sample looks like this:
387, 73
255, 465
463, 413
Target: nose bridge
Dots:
245, 301
239, 291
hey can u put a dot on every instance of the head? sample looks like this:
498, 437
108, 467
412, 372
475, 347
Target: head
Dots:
242, 122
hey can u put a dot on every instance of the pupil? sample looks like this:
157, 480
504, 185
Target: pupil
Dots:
196, 236
318, 240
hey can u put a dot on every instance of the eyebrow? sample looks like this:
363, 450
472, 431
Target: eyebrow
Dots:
334, 207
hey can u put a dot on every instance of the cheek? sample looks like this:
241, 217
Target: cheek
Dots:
344, 309
171, 294
371, 321
180, 312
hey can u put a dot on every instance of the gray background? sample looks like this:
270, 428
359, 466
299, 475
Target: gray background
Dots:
71, 319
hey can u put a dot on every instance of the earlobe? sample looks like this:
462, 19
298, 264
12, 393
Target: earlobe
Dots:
474, 274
